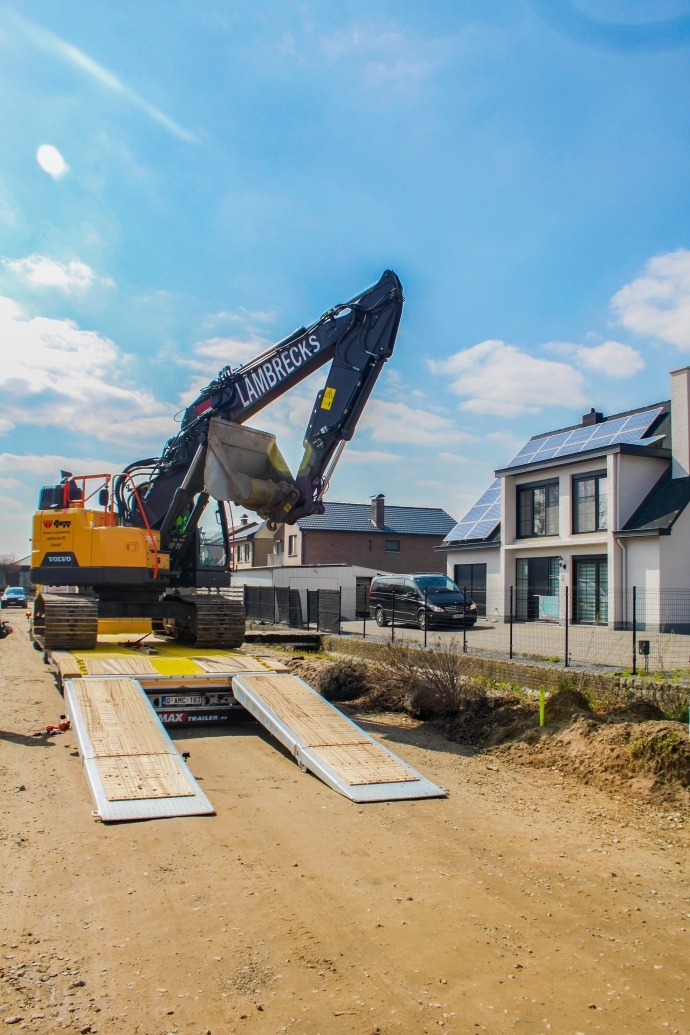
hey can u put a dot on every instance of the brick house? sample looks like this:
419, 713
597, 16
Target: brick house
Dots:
378, 536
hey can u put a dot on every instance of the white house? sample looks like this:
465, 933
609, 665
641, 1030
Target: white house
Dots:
597, 508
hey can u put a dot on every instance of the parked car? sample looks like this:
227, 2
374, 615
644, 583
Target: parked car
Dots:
423, 599
14, 596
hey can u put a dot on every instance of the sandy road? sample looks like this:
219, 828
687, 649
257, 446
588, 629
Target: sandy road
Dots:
523, 903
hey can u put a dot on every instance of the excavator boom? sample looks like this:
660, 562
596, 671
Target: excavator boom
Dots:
213, 452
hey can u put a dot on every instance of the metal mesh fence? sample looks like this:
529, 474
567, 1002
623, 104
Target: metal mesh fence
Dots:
638, 631
260, 604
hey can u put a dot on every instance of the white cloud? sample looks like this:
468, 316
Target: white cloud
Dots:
243, 316
45, 467
457, 458
399, 423
657, 304
51, 161
234, 352
387, 57
55, 374
359, 458
500, 379
610, 358
41, 272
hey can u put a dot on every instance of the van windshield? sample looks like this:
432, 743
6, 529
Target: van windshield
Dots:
436, 584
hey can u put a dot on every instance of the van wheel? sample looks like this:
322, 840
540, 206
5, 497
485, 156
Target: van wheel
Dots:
422, 619
380, 617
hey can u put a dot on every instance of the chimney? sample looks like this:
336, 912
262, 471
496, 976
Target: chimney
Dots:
592, 418
244, 520
378, 504
680, 423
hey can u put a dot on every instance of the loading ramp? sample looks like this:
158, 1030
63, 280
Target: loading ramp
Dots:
133, 769
327, 743
120, 700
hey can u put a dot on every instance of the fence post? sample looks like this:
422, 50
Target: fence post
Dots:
510, 623
634, 630
392, 616
567, 626
464, 621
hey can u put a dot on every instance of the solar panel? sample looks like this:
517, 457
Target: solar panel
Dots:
628, 428
480, 520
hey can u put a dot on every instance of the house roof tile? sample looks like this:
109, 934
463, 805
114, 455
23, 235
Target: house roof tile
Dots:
356, 517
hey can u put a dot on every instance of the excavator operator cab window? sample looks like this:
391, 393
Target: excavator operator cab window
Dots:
212, 553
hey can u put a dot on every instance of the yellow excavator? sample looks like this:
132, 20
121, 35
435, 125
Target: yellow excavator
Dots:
136, 545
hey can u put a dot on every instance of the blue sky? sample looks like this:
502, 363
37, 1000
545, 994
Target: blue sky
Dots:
182, 184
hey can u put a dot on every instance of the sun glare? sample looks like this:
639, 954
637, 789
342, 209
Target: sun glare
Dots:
51, 161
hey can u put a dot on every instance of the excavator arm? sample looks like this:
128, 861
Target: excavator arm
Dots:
215, 455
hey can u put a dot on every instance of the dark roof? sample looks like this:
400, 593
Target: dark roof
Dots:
247, 531
660, 509
356, 517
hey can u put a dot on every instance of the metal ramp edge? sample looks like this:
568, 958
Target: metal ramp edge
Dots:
191, 802
343, 736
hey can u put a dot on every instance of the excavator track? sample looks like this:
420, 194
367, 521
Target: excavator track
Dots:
214, 621
64, 622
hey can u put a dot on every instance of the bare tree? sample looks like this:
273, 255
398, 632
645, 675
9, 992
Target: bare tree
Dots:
9, 568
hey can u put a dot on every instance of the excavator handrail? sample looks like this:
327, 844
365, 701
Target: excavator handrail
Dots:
149, 531
74, 495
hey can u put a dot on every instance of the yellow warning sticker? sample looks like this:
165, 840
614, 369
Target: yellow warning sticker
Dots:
328, 397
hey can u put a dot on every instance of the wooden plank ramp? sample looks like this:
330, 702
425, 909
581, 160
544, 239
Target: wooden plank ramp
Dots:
132, 766
327, 743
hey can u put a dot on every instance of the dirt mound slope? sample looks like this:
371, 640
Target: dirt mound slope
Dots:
631, 747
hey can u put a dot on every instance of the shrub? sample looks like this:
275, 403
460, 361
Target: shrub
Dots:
344, 680
429, 683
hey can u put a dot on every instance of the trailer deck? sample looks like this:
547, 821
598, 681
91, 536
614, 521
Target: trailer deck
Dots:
120, 698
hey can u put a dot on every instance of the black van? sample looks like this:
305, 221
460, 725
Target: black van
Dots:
424, 599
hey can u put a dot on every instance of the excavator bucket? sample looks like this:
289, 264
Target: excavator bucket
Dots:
245, 466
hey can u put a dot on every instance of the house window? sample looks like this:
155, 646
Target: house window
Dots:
537, 510
244, 553
392, 546
590, 499
591, 591
537, 597
292, 546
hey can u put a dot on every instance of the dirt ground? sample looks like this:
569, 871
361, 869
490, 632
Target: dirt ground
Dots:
535, 899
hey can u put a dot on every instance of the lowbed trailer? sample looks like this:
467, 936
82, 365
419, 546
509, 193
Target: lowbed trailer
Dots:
120, 697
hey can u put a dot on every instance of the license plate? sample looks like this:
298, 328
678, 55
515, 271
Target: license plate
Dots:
176, 702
